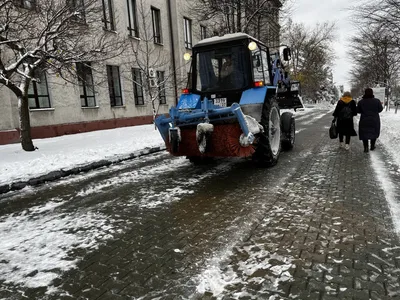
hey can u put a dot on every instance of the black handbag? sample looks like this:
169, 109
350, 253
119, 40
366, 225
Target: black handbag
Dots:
333, 131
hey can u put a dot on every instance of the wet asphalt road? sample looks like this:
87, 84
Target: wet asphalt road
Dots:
161, 228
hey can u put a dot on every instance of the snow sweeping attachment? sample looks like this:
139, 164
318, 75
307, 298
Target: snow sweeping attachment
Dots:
203, 134
230, 111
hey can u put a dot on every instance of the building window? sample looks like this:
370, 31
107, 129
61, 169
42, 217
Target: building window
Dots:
161, 87
108, 16
203, 32
188, 32
28, 4
38, 92
86, 86
114, 85
155, 14
137, 86
79, 7
132, 18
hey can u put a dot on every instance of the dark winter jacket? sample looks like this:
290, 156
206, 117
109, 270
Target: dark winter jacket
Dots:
370, 123
345, 127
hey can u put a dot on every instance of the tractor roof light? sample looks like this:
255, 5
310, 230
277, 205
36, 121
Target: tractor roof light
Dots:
252, 46
258, 83
187, 56
185, 91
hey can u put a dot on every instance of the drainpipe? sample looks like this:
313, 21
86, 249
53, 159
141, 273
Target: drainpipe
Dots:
172, 50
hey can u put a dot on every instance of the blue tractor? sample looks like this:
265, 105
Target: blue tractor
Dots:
231, 107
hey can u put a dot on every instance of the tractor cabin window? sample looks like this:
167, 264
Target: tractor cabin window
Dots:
38, 92
222, 69
86, 85
258, 72
114, 86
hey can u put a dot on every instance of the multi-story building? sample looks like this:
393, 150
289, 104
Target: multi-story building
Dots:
112, 96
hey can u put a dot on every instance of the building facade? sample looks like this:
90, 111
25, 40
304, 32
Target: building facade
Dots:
113, 93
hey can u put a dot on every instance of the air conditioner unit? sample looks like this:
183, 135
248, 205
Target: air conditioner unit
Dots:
153, 83
152, 73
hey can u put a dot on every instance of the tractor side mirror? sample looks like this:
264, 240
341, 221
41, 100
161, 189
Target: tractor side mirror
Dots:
286, 54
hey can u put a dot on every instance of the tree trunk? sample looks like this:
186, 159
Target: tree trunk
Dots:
25, 124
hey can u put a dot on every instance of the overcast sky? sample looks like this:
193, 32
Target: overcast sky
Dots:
311, 12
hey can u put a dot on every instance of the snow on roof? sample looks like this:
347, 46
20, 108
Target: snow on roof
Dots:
225, 38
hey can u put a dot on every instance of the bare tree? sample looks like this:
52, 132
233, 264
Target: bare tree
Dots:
375, 48
49, 36
156, 76
311, 55
382, 15
258, 18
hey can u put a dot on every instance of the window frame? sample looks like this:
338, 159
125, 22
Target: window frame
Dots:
78, 5
187, 30
85, 67
111, 87
203, 32
23, 4
108, 15
133, 27
161, 87
156, 22
35, 94
137, 87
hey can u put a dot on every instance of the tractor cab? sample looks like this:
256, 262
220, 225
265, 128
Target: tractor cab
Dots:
224, 67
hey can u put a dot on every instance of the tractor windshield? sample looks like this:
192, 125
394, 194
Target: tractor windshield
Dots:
222, 69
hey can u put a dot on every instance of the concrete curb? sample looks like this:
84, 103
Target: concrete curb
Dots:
55, 175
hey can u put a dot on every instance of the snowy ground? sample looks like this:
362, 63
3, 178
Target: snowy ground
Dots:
73, 150
23, 230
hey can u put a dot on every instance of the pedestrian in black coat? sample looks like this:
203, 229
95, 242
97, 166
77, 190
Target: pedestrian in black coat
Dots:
344, 112
370, 124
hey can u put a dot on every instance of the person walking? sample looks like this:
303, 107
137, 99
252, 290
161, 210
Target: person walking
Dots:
344, 112
369, 126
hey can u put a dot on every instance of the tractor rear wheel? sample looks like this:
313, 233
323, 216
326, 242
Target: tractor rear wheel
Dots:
269, 143
288, 131
174, 140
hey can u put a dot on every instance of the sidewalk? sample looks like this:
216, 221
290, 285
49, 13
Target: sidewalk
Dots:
71, 154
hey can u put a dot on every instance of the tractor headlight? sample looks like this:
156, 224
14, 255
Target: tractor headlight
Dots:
252, 46
187, 56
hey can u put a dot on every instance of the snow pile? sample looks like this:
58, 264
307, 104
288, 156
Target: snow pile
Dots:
390, 133
73, 150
